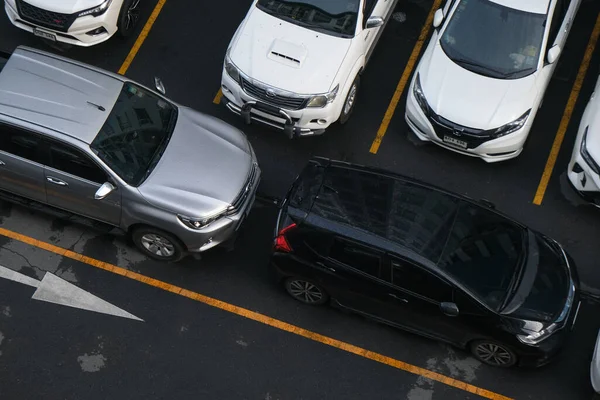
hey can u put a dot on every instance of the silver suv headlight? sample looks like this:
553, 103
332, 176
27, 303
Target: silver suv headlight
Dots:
199, 223
96, 11
322, 100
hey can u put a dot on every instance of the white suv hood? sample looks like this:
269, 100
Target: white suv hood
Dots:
65, 6
287, 56
470, 99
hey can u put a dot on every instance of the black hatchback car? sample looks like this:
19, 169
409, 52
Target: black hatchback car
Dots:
432, 262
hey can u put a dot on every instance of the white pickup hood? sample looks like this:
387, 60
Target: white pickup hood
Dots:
287, 56
470, 99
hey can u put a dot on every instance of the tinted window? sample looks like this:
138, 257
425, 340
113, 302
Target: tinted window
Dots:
74, 162
356, 256
494, 40
483, 252
405, 213
135, 133
416, 280
20, 143
336, 17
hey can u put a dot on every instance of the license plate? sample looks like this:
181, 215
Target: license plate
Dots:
455, 142
44, 34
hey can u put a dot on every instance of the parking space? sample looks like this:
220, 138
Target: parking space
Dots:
188, 347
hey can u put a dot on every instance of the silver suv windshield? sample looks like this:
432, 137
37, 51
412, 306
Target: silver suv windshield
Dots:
135, 134
494, 40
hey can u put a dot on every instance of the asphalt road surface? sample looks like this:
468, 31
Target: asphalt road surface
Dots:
232, 333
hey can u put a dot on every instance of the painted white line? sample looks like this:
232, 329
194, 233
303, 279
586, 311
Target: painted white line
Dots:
15, 276
53, 289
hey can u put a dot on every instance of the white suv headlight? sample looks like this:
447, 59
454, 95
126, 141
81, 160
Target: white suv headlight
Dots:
511, 126
322, 100
96, 11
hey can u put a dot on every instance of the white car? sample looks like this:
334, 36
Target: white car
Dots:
595, 367
482, 78
584, 168
75, 22
296, 65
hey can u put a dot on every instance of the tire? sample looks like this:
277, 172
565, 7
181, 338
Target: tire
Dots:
350, 97
493, 353
128, 17
157, 244
306, 291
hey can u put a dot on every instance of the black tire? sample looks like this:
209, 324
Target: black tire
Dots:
352, 92
128, 17
493, 353
154, 242
306, 291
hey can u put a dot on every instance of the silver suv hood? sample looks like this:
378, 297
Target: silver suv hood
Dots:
203, 169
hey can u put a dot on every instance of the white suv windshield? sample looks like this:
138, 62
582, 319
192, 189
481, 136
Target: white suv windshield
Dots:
335, 17
493, 40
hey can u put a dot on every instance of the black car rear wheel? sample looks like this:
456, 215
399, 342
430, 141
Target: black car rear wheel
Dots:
306, 291
493, 353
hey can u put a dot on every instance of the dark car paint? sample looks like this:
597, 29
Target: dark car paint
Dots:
380, 300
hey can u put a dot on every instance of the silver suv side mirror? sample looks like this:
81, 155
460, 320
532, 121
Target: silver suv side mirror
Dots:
373, 22
104, 190
159, 85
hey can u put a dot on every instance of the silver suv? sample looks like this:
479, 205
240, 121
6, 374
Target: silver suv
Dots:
96, 144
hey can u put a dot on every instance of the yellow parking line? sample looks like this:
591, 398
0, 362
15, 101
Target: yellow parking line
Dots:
264, 319
564, 122
410, 65
218, 96
143, 35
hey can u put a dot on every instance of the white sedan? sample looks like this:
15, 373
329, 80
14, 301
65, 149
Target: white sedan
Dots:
482, 78
75, 22
584, 168
296, 65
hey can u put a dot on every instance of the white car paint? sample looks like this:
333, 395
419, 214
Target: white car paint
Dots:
595, 366
480, 102
584, 179
313, 63
78, 32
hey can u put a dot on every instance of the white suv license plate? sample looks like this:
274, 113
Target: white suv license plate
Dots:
460, 143
44, 34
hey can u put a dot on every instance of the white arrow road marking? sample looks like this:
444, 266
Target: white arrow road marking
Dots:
55, 290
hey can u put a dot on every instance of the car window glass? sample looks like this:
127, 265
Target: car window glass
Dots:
411, 215
415, 279
355, 256
557, 19
20, 143
483, 252
368, 7
74, 162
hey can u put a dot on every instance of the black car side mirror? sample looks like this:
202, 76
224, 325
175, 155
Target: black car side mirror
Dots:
449, 308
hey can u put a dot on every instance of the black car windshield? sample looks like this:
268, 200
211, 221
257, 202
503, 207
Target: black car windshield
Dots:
336, 17
135, 133
484, 253
494, 40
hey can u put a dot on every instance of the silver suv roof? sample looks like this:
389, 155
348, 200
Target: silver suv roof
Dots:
57, 93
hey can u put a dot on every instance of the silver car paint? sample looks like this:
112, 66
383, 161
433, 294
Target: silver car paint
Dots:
204, 167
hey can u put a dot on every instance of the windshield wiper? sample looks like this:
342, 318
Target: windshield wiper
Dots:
470, 63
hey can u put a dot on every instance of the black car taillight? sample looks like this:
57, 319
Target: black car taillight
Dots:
281, 242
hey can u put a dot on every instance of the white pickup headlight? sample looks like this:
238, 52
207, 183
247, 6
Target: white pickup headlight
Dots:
322, 100
96, 11
231, 69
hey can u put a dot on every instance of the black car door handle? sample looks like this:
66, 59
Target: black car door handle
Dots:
398, 298
57, 181
320, 264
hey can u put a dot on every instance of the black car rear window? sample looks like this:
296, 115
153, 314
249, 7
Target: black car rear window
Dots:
411, 215
483, 252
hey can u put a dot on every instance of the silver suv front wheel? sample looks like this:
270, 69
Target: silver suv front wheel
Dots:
158, 244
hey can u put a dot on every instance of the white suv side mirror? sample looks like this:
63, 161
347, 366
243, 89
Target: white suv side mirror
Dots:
104, 190
438, 18
553, 54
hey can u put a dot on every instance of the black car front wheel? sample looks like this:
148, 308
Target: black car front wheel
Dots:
158, 244
493, 353
128, 17
306, 291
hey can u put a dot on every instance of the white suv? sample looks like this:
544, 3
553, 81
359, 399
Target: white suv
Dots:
296, 65
584, 167
76, 22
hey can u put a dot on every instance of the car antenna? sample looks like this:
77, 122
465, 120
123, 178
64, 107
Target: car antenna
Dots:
97, 106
